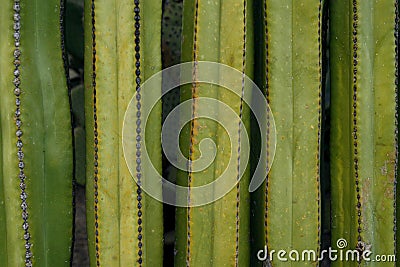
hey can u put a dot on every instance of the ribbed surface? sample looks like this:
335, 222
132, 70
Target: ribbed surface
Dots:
215, 234
124, 223
290, 200
36, 136
364, 126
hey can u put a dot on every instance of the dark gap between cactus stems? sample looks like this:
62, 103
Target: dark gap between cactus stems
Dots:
66, 70
74, 76
261, 79
325, 136
171, 46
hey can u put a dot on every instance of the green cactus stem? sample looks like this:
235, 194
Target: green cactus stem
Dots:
216, 234
364, 126
36, 168
287, 209
123, 49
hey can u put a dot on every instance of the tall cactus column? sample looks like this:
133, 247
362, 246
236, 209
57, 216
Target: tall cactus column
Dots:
122, 50
3, 221
364, 150
216, 234
289, 204
36, 168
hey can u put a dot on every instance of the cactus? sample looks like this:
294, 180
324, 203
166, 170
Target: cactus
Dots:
216, 234
364, 125
124, 223
287, 210
3, 221
36, 167
112, 139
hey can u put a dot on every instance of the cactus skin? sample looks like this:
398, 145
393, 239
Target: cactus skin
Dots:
216, 234
3, 221
47, 144
364, 126
110, 82
287, 209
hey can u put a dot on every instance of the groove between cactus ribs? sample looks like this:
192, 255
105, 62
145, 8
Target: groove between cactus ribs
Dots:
355, 142
192, 127
396, 32
318, 178
18, 123
138, 131
266, 39
239, 132
96, 142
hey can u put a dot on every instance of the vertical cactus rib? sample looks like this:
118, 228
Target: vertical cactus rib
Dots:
151, 14
396, 191
321, 85
215, 234
3, 221
96, 141
36, 136
138, 136
13, 231
124, 222
21, 164
291, 200
342, 184
193, 127
364, 126
91, 128
265, 83
355, 142
242, 256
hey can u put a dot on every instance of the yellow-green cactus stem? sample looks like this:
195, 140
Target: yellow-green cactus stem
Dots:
3, 221
216, 234
123, 49
287, 209
37, 157
364, 126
